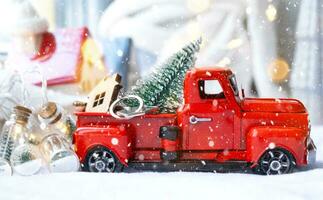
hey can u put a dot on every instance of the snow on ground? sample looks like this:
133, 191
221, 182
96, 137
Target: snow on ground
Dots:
176, 185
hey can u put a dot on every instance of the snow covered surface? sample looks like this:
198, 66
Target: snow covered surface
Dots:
306, 184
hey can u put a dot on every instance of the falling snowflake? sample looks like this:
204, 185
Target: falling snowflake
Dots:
226, 152
211, 143
215, 103
272, 145
122, 128
254, 133
115, 141
141, 157
119, 53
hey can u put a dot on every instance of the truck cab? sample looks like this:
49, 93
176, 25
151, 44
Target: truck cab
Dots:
211, 112
215, 128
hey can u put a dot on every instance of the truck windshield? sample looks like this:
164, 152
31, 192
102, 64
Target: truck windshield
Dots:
233, 83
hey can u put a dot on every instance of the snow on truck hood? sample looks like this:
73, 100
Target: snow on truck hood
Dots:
272, 105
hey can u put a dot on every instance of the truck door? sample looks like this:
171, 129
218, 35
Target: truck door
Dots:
211, 121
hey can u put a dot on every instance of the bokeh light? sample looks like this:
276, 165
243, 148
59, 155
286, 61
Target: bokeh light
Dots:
278, 70
271, 13
234, 43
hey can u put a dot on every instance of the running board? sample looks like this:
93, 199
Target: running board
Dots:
189, 166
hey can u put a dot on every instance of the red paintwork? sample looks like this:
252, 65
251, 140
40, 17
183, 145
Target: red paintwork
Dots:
241, 129
60, 57
169, 145
272, 105
291, 139
142, 133
112, 137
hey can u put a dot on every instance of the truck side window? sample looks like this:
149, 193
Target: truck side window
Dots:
210, 89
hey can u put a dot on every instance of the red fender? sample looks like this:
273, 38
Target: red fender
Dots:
114, 138
259, 139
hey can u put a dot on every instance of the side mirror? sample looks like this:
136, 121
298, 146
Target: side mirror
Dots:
242, 93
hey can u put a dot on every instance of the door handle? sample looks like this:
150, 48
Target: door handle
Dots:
195, 120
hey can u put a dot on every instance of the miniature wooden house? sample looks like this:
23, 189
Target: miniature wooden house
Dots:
101, 97
68, 58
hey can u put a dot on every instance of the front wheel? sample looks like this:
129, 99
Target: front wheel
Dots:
101, 159
276, 161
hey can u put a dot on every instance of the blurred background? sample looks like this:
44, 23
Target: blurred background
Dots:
274, 46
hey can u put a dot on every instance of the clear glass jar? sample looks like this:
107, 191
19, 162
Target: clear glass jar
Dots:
26, 159
58, 153
54, 117
14, 138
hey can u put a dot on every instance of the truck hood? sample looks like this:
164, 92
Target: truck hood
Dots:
272, 105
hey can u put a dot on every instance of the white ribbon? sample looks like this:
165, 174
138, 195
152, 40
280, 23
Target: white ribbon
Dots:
119, 115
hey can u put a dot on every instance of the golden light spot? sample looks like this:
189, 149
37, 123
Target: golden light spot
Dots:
198, 6
278, 70
62, 127
271, 13
92, 54
234, 43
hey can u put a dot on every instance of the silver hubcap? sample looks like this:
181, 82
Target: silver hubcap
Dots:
99, 165
275, 165
275, 162
101, 161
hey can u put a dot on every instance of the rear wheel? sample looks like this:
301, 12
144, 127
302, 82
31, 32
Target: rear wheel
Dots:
101, 159
276, 161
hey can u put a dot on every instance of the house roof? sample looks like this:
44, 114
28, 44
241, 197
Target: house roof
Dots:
59, 60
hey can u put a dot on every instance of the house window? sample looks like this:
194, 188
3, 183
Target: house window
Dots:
99, 98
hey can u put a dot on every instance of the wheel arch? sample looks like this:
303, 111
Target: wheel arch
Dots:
111, 138
260, 139
121, 159
86, 166
273, 164
279, 147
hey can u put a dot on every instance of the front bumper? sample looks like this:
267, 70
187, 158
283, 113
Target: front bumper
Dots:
311, 152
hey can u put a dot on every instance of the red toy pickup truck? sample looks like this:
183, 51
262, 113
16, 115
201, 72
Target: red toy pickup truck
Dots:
214, 129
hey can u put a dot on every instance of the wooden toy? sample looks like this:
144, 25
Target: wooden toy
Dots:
101, 97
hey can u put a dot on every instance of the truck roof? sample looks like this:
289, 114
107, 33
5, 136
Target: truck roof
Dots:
210, 71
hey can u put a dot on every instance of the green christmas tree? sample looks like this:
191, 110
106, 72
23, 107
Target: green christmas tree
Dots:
6, 146
164, 86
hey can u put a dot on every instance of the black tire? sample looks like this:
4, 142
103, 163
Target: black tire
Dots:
101, 159
275, 162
